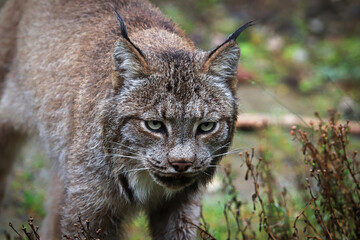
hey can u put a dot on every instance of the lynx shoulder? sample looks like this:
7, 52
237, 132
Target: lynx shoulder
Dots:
132, 115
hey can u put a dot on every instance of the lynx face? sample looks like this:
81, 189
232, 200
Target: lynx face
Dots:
176, 121
180, 132
174, 106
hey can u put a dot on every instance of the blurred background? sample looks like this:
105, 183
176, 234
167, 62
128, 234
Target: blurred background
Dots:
301, 57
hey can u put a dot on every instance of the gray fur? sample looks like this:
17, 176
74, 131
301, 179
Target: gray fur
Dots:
86, 92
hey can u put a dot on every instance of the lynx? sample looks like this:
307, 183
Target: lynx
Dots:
131, 114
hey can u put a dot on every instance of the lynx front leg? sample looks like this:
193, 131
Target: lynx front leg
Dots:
95, 199
174, 220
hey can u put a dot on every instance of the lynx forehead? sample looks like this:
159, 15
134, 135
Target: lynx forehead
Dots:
133, 116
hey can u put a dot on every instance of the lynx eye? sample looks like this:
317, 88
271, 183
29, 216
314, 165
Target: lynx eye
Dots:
154, 125
206, 127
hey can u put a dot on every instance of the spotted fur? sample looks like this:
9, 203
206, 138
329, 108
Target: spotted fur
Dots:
70, 77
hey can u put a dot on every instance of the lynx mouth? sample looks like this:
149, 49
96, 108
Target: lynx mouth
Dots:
174, 182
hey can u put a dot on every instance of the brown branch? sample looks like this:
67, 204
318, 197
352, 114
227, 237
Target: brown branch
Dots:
259, 121
12, 227
298, 216
226, 205
203, 233
318, 213
254, 174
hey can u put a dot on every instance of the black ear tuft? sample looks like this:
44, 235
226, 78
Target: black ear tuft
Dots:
130, 65
233, 36
124, 32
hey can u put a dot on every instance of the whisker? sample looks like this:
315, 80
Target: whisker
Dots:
219, 155
136, 170
223, 146
232, 150
123, 145
235, 149
223, 154
124, 156
227, 145
122, 150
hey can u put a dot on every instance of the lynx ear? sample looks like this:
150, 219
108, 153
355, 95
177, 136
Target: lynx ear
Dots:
128, 59
223, 60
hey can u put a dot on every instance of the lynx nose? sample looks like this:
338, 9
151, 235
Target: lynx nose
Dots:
181, 166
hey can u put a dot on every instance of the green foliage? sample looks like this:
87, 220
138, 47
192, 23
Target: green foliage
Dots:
178, 17
27, 194
325, 204
33, 201
138, 229
337, 59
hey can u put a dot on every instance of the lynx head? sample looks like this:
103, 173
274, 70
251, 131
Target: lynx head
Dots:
173, 109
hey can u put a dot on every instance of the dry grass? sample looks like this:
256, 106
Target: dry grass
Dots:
329, 207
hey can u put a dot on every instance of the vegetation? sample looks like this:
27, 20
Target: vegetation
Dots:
31, 234
326, 204
301, 57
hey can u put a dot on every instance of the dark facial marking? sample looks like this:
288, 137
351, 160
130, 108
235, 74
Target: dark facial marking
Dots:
125, 184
